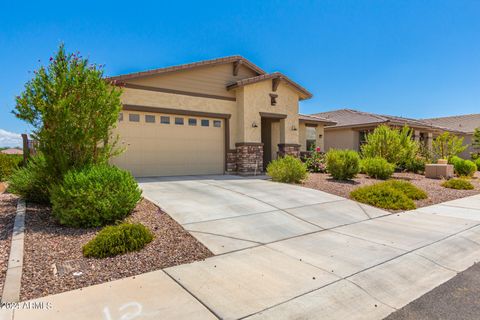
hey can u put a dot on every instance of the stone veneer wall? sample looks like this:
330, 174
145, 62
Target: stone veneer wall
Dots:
288, 149
232, 161
249, 158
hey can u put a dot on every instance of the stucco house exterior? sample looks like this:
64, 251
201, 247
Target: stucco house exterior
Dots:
352, 126
464, 124
211, 117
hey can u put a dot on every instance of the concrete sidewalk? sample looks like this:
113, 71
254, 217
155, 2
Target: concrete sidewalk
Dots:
285, 252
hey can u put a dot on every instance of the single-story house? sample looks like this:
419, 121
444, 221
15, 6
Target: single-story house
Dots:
464, 124
352, 126
211, 117
12, 151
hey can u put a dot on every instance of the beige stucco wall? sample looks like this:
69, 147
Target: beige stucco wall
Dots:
254, 98
183, 102
341, 139
467, 139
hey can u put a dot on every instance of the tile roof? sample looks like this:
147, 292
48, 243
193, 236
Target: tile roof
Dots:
352, 118
310, 118
275, 75
466, 123
202, 63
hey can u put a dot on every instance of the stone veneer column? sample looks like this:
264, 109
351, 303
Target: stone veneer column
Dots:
288, 149
249, 158
232, 161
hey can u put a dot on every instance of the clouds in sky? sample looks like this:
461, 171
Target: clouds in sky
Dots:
10, 139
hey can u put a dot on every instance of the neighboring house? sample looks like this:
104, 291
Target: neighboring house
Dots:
12, 151
211, 117
352, 126
465, 124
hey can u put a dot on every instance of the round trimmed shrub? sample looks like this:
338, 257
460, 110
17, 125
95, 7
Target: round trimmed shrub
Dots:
459, 184
465, 168
407, 188
8, 164
94, 196
383, 196
377, 168
343, 164
287, 169
120, 239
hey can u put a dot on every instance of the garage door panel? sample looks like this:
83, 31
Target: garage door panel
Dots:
156, 149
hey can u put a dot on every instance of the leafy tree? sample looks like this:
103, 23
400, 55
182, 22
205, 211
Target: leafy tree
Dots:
72, 110
476, 143
394, 145
447, 145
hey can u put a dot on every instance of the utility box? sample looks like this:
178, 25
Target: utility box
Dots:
439, 171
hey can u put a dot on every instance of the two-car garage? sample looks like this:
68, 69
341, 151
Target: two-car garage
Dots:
168, 144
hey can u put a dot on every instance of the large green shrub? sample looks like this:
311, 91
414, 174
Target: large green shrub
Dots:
377, 168
31, 181
465, 168
343, 164
383, 196
120, 239
477, 163
8, 164
394, 145
407, 188
415, 164
94, 196
447, 145
287, 169
72, 110
459, 184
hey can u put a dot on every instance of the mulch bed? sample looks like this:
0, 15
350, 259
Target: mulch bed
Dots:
8, 209
436, 193
48, 243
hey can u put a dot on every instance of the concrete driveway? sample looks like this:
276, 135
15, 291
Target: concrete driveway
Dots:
285, 252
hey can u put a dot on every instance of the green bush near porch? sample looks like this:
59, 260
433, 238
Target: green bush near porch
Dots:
287, 169
343, 164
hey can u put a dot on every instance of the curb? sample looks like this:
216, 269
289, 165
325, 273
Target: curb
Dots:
13, 278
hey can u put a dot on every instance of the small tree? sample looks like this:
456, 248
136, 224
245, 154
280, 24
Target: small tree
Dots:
447, 145
476, 143
72, 110
394, 145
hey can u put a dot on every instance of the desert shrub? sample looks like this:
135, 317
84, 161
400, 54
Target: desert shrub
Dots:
383, 196
72, 111
342, 164
394, 145
464, 167
459, 184
315, 162
377, 168
119, 239
94, 196
287, 169
407, 188
8, 164
477, 163
415, 164
31, 181
447, 145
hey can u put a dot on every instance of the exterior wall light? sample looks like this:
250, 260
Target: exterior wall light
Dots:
254, 125
294, 128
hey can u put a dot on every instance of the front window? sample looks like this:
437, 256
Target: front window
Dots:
311, 135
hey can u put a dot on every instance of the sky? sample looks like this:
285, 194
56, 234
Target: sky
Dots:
414, 58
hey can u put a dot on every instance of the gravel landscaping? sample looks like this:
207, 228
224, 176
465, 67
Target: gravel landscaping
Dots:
436, 193
8, 208
51, 248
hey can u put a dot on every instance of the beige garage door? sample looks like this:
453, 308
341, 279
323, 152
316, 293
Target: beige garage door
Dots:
167, 145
